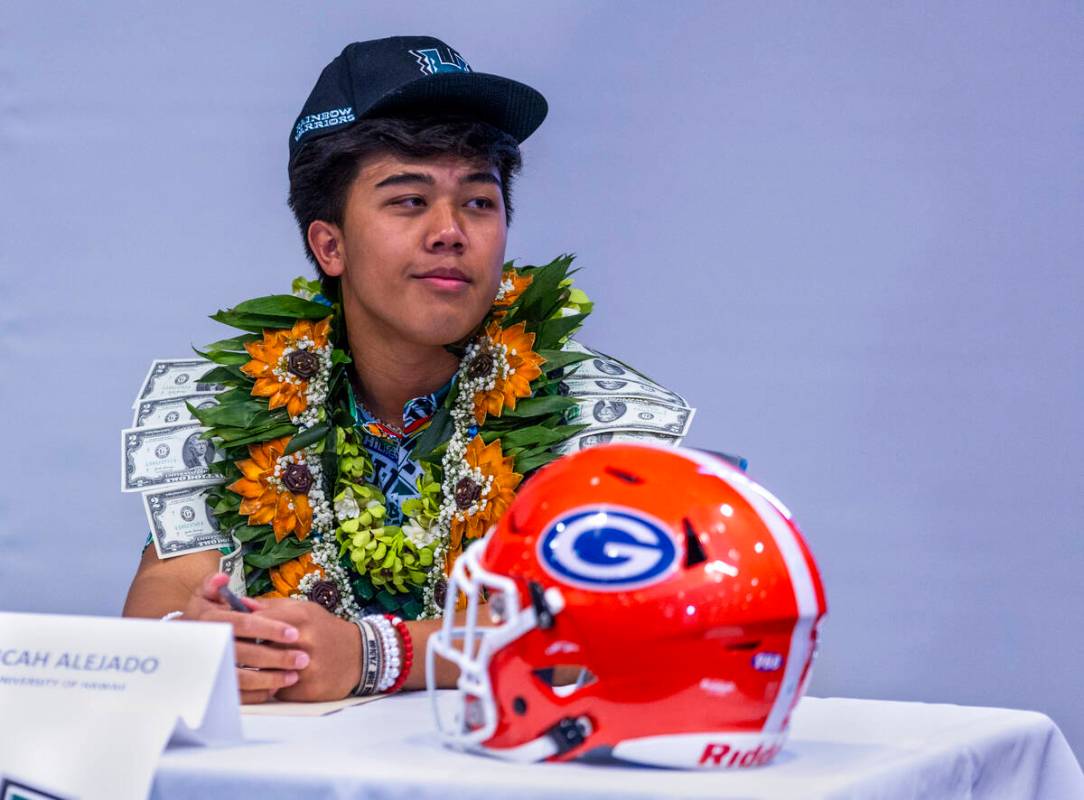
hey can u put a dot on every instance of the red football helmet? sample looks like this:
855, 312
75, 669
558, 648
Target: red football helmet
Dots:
678, 591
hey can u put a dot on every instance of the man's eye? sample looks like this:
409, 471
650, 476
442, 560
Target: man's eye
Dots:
482, 202
409, 202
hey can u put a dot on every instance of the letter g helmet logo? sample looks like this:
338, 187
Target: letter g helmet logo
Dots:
607, 548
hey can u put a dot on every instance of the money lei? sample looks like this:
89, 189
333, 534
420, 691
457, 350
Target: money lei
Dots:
356, 560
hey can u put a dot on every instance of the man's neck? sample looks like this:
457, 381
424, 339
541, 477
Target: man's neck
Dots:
392, 372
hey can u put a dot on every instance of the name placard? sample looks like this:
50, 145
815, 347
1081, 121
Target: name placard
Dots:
90, 702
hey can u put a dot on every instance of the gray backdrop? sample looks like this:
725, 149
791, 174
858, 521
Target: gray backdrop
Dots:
850, 233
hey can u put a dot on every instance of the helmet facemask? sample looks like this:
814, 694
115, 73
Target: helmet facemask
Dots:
494, 618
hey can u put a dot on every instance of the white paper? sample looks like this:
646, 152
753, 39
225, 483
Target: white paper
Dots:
89, 703
278, 708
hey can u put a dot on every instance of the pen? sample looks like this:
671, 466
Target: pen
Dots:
233, 601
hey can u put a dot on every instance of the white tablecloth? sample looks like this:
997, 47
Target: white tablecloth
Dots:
838, 749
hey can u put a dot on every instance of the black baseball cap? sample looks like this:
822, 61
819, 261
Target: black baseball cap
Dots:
401, 74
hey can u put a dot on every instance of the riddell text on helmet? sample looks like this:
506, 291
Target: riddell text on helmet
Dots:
718, 754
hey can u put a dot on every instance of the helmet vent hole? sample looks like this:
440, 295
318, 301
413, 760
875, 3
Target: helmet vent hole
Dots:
694, 551
753, 645
622, 475
564, 680
514, 525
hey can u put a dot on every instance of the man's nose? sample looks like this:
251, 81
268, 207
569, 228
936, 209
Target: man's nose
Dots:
446, 232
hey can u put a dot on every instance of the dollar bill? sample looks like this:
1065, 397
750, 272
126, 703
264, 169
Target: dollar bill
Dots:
585, 440
181, 522
603, 387
574, 346
619, 412
233, 564
171, 378
152, 413
588, 439
153, 458
603, 367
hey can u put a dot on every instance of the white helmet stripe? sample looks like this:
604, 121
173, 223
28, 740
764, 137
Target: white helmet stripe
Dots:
775, 517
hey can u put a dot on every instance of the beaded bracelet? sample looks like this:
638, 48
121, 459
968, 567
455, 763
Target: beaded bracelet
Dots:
390, 645
408, 652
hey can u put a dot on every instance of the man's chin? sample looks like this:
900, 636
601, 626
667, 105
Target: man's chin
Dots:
453, 336
458, 344
421, 321
440, 325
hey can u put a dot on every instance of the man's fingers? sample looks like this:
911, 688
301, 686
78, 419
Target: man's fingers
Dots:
211, 585
290, 611
261, 696
254, 626
268, 680
247, 654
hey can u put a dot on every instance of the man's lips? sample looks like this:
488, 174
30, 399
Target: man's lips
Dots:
444, 278
452, 273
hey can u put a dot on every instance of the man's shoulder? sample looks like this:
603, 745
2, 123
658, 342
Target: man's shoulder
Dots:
618, 403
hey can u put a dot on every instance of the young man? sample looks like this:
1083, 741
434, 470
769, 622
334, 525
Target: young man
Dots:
401, 165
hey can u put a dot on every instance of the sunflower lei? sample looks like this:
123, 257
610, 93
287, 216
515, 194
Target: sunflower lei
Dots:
298, 489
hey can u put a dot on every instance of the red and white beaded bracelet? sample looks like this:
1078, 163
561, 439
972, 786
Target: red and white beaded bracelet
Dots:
408, 652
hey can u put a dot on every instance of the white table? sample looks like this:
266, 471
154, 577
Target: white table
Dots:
838, 749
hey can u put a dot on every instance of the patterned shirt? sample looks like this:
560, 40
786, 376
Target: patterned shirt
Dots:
395, 471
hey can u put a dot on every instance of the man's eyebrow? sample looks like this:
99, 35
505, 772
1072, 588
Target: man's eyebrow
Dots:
420, 177
481, 177
406, 177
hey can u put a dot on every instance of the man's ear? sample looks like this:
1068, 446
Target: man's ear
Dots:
326, 241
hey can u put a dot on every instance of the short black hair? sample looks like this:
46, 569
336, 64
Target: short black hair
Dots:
322, 173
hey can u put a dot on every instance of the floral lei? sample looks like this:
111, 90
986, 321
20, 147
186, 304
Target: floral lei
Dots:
298, 491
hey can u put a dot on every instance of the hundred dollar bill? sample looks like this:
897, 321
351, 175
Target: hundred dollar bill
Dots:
233, 564
153, 458
633, 414
153, 413
171, 378
588, 439
602, 387
181, 523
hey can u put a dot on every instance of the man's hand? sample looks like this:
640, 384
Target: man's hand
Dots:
266, 662
333, 647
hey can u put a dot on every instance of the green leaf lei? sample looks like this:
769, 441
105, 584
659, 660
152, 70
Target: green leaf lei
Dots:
298, 491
